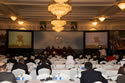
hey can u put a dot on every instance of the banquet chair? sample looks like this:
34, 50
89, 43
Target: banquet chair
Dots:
122, 63
103, 62
98, 82
44, 71
5, 82
17, 72
69, 66
73, 73
27, 77
31, 66
64, 76
59, 66
42, 76
37, 61
9, 66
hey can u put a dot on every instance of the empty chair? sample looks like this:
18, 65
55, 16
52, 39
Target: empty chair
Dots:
17, 72
70, 63
44, 71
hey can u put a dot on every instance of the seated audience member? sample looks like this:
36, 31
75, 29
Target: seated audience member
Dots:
102, 58
110, 58
102, 51
29, 60
44, 64
90, 75
123, 60
121, 78
6, 76
121, 70
12, 60
21, 65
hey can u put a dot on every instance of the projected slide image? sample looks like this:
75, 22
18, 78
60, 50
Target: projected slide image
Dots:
96, 39
19, 39
45, 39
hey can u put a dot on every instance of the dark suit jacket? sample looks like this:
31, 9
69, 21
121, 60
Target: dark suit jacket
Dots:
90, 76
43, 66
7, 76
20, 66
29, 60
12, 61
121, 70
121, 79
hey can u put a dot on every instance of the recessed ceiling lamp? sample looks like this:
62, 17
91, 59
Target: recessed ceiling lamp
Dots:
94, 23
121, 5
20, 22
13, 18
102, 18
60, 8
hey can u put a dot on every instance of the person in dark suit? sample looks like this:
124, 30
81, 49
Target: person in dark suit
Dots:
21, 65
6, 76
29, 60
121, 78
122, 70
44, 64
12, 60
90, 75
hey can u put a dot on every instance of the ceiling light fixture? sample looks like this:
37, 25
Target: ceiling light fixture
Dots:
20, 22
95, 23
58, 29
60, 8
102, 18
13, 18
61, 1
58, 25
121, 5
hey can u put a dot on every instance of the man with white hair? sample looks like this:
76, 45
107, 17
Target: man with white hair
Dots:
4, 75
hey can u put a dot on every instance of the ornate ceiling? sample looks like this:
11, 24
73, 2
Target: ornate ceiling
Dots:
83, 10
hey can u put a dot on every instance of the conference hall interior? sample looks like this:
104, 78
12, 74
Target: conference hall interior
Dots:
62, 41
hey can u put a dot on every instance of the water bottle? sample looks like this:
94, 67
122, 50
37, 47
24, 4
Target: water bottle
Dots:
60, 78
23, 78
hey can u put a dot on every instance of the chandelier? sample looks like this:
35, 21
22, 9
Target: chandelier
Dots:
58, 29
58, 25
59, 8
